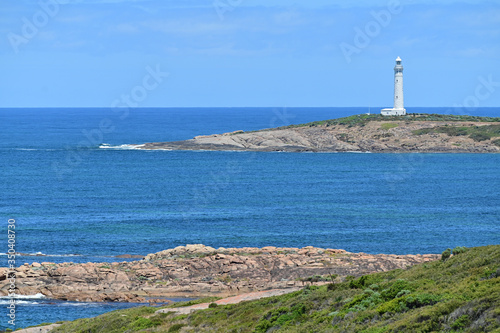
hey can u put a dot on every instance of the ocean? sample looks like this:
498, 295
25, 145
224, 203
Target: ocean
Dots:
75, 202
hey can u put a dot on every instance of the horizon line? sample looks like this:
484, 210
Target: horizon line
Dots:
223, 107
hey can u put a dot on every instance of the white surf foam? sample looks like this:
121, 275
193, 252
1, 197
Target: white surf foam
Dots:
120, 147
31, 149
26, 297
7, 302
40, 254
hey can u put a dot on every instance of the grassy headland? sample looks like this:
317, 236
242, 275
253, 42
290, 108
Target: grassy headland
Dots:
363, 119
457, 294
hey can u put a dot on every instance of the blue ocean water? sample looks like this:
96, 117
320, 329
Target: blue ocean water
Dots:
75, 202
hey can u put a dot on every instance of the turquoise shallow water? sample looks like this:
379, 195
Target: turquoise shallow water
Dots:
71, 198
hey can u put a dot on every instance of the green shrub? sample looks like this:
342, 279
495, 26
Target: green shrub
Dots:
175, 328
452, 130
143, 323
383, 135
391, 306
446, 254
462, 322
395, 289
355, 301
403, 293
343, 137
331, 286
358, 283
212, 305
423, 131
369, 299
315, 278
363, 281
480, 136
407, 302
490, 274
263, 326
459, 250
281, 316
419, 300
299, 309
388, 126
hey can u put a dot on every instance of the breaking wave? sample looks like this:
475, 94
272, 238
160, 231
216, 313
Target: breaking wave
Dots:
22, 297
40, 254
119, 147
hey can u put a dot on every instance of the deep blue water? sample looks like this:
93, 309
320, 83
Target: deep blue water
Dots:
71, 198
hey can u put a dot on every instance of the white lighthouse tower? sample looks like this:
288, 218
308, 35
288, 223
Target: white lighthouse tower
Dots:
398, 109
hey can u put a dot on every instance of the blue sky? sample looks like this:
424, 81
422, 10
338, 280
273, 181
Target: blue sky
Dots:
227, 53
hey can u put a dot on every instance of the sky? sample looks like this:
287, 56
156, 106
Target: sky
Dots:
248, 53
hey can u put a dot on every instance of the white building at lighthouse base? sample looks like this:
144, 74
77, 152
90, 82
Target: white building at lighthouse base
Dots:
393, 112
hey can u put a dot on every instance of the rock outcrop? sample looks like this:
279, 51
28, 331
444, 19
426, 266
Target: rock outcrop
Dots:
198, 270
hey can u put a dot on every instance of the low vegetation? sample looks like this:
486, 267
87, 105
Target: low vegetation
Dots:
193, 302
363, 119
388, 126
477, 133
460, 293
456, 251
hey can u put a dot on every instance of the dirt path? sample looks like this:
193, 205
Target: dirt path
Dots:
41, 329
230, 300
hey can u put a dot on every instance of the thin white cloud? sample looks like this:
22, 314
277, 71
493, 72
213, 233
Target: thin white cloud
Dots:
291, 17
226, 50
478, 19
471, 52
407, 42
188, 26
81, 18
125, 28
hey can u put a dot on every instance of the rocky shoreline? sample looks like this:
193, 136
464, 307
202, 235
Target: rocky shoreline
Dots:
391, 136
197, 271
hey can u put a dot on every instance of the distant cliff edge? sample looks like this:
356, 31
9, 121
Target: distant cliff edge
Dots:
429, 133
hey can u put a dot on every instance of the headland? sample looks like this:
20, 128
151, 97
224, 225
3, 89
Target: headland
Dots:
412, 133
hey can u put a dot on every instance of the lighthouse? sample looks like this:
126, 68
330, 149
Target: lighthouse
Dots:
398, 109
